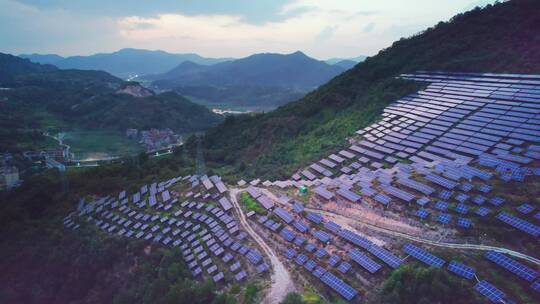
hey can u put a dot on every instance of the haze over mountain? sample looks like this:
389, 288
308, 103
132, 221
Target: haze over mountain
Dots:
346, 64
257, 80
336, 60
125, 62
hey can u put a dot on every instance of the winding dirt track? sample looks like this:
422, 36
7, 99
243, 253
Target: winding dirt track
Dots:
282, 283
466, 246
431, 242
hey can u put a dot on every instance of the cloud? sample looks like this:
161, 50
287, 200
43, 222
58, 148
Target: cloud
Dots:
323, 29
326, 34
25, 28
369, 27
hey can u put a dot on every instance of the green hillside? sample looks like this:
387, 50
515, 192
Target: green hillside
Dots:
41, 97
499, 38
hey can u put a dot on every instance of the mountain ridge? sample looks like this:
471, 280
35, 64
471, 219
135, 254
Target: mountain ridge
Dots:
265, 79
125, 62
272, 145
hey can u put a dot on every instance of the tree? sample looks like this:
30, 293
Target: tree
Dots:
293, 298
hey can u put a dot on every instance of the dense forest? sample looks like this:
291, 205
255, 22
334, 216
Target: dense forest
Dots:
499, 38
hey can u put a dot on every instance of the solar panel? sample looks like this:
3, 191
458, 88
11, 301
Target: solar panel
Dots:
333, 260
384, 255
423, 255
422, 213
445, 194
261, 268
441, 205
310, 247
479, 199
348, 195
462, 208
398, 193
496, 201
485, 188
441, 181
536, 285
383, 199
363, 260
444, 218
482, 211
322, 236
301, 259
525, 208
519, 224
422, 201
342, 288
355, 238
310, 265
287, 234
491, 292
240, 276
335, 228
284, 215
298, 207
321, 253
290, 253
461, 269
300, 226
314, 217
318, 272
299, 240
425, 189
464, 223
344, 267
511, 265
254, 256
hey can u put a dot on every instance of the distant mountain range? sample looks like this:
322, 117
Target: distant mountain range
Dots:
337, 60
35, 95
258, 80
125, 62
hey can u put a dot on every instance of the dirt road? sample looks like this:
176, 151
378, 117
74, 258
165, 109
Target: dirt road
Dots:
282, 283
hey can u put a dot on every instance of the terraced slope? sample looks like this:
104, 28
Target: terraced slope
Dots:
499, 38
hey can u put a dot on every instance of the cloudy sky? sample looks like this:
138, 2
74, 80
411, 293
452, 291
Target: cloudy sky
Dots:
228, 28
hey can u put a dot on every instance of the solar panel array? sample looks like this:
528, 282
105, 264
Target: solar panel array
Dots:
363, 260
491, 292
461, 269
423, 256
450, 134
520, 224
512, 265
344, 289
204, 232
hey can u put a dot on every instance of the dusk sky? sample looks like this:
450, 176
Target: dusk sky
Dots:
233, 28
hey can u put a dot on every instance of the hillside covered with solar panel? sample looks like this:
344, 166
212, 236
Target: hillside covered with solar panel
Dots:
412, 178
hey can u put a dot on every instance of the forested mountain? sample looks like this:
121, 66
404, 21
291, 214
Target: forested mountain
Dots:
260, 79
38, 94
346, 64
499, 38
43, 58
124, 62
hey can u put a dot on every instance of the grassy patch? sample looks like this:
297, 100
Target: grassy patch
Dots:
108, 142
251, 204
250, 295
